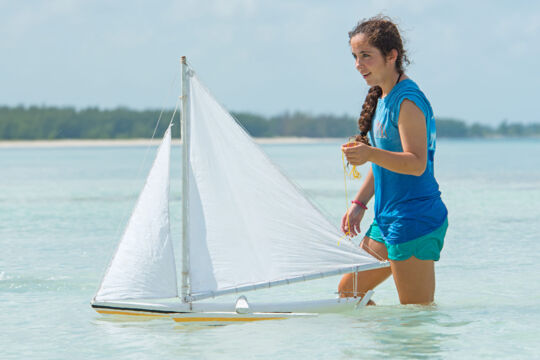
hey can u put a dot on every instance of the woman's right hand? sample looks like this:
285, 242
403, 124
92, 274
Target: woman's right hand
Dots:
350, 223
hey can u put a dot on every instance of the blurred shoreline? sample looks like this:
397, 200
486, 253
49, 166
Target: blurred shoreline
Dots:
144, 142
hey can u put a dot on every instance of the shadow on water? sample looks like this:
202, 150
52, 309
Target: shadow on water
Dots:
115, 323
405, 331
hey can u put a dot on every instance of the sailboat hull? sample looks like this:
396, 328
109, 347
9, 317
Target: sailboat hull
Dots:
208, 318
223, 313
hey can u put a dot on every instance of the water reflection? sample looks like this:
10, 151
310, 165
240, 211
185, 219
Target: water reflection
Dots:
407, 331
113, 324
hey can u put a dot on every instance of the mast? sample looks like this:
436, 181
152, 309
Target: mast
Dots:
185, 179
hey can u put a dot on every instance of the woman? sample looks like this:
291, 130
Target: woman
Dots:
410, 217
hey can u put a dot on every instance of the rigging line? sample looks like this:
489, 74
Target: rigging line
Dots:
174, 112
348, 233
374, 253
356, 175
128, 213
355, 283
147, 150
157, 125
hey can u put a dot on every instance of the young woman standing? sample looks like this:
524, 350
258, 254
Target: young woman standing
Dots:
410, 217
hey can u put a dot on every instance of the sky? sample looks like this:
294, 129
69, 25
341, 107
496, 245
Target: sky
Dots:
477, 61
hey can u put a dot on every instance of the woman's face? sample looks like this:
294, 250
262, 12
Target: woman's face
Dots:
370, 62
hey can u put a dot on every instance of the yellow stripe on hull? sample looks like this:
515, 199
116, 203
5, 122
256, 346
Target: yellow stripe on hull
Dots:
190, 318
224, 319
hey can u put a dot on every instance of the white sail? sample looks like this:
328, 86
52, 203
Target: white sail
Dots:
143, 266
247, 223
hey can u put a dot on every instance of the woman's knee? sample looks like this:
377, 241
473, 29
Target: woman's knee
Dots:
356, 284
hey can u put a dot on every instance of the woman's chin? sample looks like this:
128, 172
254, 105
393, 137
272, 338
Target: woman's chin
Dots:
369, 81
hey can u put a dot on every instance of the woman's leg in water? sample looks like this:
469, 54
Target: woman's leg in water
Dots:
415, 280
366, 280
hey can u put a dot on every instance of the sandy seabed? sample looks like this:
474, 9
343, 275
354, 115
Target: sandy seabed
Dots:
141, 142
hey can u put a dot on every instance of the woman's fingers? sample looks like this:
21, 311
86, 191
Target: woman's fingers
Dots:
351, 227
350, 223
351, 159
344, 227
354, 227
347, 225
357, 227
356, 155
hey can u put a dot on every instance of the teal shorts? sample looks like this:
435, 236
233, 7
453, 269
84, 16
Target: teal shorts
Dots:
427, 247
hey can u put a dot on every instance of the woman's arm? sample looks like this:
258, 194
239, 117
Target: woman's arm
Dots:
355, 213
413, 159
367, 189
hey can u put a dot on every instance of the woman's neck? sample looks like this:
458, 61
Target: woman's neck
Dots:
389, 83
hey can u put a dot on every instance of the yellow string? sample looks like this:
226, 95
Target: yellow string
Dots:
354, 174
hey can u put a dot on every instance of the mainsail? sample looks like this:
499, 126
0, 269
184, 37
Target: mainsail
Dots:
248, 224
143, 266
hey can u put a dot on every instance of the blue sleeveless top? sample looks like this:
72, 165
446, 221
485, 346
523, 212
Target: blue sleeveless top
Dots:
406, 206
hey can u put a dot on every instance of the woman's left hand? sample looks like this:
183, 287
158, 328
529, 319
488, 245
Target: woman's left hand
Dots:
358, 155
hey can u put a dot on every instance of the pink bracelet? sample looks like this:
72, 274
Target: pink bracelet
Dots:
361, 204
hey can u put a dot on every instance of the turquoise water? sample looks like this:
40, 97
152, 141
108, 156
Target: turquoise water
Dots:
62, 209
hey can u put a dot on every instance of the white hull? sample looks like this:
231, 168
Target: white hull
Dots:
222, 313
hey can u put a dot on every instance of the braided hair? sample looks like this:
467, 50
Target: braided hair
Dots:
383, 34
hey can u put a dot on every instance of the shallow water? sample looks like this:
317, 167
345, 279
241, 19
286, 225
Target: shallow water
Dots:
62, 209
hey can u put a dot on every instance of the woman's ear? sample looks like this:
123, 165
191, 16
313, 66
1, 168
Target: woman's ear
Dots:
392, 56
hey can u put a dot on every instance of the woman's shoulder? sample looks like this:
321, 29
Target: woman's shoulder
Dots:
408, 89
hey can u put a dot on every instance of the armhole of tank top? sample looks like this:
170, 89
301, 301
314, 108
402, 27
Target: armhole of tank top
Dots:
415, 99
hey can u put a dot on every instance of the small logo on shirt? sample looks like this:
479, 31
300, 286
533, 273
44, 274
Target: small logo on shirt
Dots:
380, 130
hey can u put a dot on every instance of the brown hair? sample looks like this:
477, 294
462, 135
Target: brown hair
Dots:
383, 34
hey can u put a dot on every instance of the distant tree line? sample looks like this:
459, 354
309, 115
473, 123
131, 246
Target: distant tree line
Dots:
38, 123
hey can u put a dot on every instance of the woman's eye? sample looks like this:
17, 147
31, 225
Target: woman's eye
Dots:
365, 55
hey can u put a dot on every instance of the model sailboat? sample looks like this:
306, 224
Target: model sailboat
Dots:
245, 227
